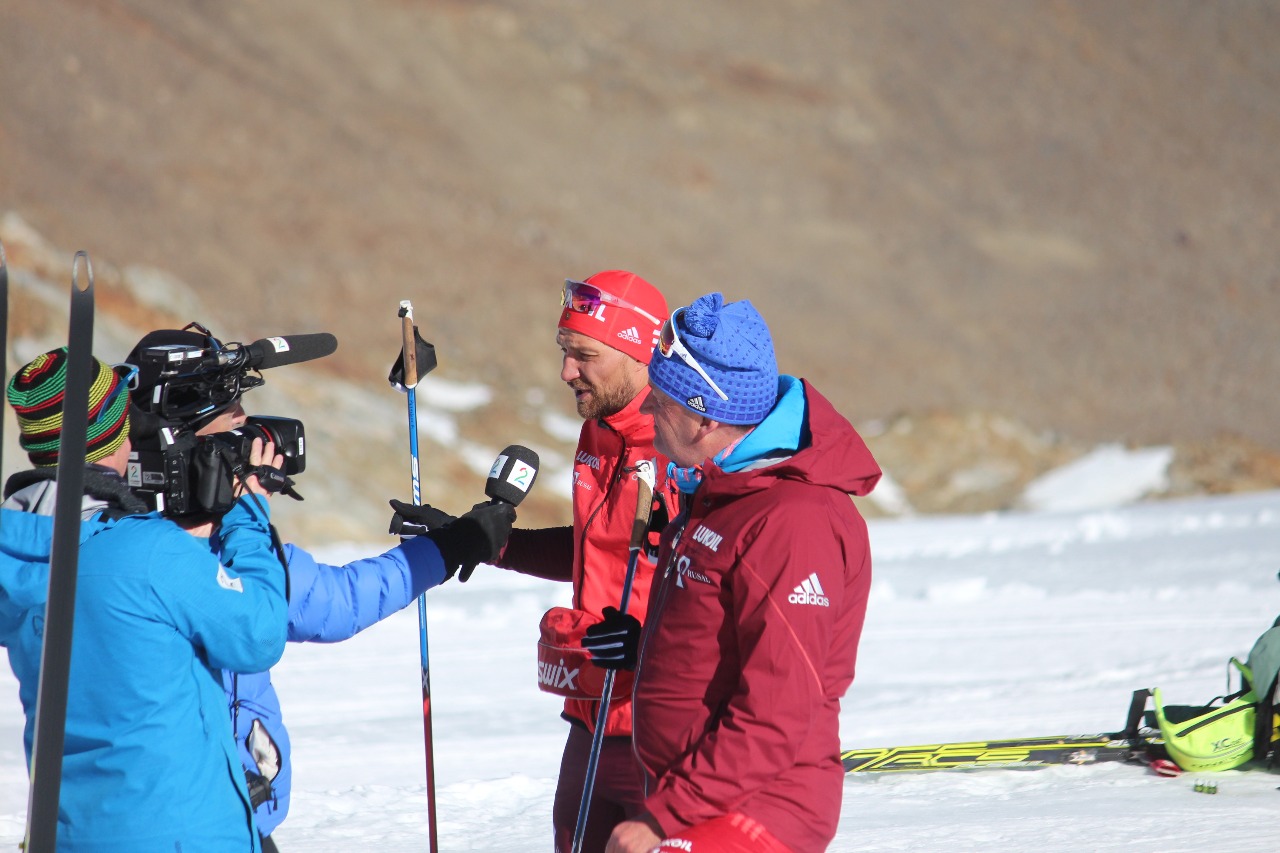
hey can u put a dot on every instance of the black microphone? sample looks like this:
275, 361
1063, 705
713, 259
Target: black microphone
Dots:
510, 479
512, 475
288, 349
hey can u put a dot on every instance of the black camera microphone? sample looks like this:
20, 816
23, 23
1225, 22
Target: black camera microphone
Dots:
512, 475
290, 349
281, 350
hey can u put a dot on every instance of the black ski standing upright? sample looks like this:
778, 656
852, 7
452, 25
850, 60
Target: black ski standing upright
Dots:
55, 657
4, 333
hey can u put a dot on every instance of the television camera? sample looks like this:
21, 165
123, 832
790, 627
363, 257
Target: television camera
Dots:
187, 378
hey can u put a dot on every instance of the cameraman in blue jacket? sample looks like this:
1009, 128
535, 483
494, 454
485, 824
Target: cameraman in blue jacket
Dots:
148, 762
326, 603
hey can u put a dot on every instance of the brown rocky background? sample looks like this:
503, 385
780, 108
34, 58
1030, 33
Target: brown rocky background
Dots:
994, 233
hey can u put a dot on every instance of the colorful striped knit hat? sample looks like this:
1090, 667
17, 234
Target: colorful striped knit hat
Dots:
36, 392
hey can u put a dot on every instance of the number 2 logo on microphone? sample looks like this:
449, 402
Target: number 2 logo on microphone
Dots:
521, 476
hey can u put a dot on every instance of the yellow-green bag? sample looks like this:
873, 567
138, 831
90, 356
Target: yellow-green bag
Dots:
1201, 738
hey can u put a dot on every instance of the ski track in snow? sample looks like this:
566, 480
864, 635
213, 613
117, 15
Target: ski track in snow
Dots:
979, 627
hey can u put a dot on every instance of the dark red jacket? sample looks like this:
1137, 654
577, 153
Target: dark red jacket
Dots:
752, 636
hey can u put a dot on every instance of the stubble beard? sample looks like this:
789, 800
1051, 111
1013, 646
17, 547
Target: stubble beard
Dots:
605, 401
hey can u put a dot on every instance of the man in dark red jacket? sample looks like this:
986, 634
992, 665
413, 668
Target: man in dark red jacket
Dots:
606, 333
753, 622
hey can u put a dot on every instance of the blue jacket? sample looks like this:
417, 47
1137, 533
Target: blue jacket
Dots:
150, 763
326, 604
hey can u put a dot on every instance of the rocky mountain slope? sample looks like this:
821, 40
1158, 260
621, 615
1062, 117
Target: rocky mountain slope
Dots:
357, 439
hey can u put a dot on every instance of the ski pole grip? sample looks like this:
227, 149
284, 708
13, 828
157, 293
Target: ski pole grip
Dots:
409, 344
644, 508
644, 503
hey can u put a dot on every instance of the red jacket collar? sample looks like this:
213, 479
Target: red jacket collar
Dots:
630, 423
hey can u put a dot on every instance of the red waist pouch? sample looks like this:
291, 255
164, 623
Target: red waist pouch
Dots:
564, 667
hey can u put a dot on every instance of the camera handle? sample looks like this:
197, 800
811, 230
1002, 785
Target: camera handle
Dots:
272, 479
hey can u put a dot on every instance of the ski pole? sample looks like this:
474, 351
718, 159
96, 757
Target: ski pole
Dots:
64, 558
413, 368
644, 506
411, 381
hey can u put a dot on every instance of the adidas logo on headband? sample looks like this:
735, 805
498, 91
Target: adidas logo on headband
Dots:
697, 403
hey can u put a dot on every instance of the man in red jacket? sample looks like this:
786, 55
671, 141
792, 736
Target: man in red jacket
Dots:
753, 622
606, 333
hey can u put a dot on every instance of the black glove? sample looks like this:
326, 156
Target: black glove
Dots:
474, 538
614, 641
414, 520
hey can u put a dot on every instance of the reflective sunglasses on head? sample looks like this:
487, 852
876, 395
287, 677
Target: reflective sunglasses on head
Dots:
586, 298
669, 344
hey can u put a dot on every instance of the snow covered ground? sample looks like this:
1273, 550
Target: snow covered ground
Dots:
1005, 625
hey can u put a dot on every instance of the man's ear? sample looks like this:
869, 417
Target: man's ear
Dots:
706, 426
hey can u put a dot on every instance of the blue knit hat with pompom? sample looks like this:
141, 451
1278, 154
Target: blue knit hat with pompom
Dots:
731, 342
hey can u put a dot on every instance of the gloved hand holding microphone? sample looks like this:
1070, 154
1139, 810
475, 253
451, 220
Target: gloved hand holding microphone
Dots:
477, 536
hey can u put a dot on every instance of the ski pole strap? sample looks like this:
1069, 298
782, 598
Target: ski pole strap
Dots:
417, 356
1133, 725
